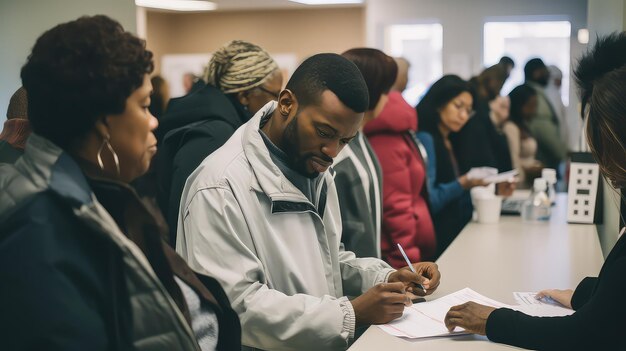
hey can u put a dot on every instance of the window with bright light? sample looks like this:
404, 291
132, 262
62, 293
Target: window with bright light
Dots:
548, 40
421, 45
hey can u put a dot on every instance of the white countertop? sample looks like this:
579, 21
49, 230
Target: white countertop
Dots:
498, 259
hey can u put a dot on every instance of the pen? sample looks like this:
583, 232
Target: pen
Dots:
410, 265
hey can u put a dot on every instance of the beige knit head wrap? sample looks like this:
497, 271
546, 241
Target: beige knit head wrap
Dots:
239, 66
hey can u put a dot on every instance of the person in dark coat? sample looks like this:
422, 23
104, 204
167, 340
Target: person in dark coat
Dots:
16, 128
82, 262
359, 176
481, 143
599, 304
242, 78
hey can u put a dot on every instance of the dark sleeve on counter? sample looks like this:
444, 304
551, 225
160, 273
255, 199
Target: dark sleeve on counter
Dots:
597, 324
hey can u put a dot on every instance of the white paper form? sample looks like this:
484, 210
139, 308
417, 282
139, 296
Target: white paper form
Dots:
539, 308
425, 320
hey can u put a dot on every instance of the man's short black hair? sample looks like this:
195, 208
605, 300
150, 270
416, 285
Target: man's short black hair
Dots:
531, 66
80, 71
329, 72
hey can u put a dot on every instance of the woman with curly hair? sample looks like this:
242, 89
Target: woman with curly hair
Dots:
82, 264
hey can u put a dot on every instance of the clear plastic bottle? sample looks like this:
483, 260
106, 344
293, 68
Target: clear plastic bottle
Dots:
537, 208
549, 174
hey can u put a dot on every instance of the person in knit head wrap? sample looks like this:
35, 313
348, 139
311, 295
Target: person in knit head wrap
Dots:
247, 74
240, 79
16, 128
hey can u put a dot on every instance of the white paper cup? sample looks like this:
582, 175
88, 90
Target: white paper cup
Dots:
488, 209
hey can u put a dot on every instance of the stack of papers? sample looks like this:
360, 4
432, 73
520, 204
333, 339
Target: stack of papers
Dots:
539, 308
426, 320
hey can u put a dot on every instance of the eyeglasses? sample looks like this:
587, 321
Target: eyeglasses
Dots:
274, 94
461, 107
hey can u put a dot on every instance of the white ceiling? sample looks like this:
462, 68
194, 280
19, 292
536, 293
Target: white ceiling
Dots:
241, 5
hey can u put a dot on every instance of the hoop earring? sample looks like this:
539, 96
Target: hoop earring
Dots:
115, 158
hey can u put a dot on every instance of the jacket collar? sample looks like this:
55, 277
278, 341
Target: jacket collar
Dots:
271, 179
48, 166
15, 132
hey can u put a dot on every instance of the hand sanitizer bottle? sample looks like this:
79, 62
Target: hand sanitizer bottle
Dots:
537, 207
549, 174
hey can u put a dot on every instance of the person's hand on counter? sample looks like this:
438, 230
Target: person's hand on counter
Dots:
470, 316
505, 189
564, 297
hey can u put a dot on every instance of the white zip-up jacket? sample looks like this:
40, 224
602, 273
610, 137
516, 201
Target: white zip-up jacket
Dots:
280, 262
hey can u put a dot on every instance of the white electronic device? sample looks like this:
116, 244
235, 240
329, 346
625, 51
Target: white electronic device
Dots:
584, 195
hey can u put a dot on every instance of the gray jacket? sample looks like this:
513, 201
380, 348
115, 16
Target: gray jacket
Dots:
157, 323
360, 190
277, 255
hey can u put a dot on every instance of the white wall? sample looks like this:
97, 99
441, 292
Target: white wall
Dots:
23, 21
604, 17
463, 23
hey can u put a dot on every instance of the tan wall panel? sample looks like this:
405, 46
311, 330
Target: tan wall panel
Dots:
158, 35
303, 32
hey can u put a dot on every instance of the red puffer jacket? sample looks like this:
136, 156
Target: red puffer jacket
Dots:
406, 218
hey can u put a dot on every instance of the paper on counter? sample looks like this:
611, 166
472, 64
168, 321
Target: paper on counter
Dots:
501, 177
481, 172
425, 320
539, 308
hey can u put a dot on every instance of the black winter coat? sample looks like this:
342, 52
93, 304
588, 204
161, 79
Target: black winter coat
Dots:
193, 127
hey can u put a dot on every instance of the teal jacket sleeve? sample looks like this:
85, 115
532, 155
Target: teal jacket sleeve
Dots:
440, 194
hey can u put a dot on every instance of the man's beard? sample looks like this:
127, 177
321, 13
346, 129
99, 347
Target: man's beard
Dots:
291, 143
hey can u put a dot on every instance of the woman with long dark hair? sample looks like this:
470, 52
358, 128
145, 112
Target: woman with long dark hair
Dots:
444, 110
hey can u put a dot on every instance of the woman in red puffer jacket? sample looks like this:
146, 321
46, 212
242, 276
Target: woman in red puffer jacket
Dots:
406, 217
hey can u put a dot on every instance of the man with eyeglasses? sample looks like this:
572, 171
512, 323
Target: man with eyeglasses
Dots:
240, 79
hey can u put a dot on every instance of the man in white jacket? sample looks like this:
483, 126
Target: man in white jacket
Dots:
261, 215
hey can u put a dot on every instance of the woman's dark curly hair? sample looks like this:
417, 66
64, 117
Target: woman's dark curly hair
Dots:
80, 71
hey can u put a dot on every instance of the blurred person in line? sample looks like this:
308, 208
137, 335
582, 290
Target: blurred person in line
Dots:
481, 142
160, 96
358, 176
402, 78
16, 128
522, 145
242, 78
553, 93
443, 111
82, 263
545, 127
406, 219
262, 214
508, 65
599, 304
191, 83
